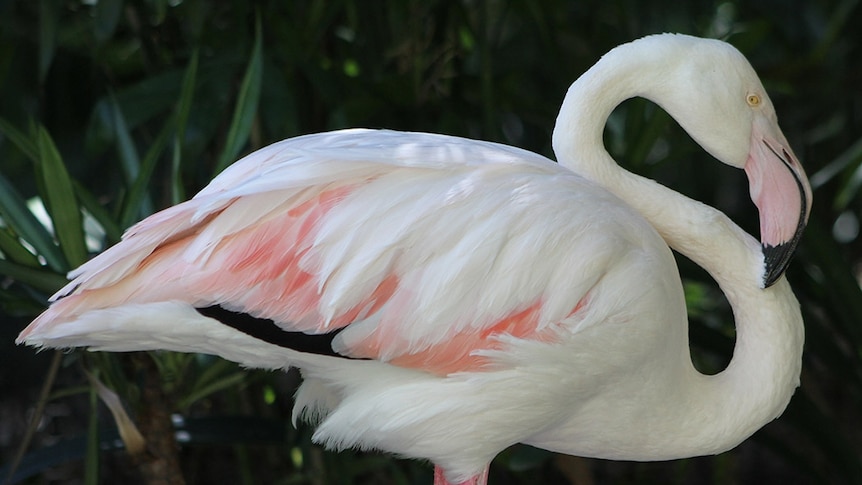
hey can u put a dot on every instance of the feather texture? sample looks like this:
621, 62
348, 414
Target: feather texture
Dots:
366, 249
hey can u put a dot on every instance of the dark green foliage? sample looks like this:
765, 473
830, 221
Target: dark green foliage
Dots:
113, 109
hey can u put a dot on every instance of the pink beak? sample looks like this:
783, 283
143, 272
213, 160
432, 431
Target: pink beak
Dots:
782, 194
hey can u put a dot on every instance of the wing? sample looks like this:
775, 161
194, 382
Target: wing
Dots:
424, 249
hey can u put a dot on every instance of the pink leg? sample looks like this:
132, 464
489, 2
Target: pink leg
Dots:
440, 478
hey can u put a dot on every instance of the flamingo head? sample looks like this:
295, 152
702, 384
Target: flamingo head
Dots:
726, 110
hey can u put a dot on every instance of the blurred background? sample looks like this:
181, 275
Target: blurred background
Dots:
113, 109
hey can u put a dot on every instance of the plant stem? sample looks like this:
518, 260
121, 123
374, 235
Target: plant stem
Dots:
158, 463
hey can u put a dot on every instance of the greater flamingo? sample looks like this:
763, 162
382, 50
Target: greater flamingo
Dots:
472, 295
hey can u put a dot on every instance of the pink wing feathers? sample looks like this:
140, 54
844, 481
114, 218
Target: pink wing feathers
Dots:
423, 248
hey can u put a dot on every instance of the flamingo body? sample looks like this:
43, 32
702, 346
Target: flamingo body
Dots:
480, 295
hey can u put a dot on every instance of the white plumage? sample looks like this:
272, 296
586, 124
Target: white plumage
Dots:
499, 297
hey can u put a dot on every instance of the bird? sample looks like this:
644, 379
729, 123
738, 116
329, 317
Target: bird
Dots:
445, 298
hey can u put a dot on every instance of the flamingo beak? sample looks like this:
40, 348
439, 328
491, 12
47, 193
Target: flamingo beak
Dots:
782, 194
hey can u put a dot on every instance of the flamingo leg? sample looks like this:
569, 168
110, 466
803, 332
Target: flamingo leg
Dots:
480, 479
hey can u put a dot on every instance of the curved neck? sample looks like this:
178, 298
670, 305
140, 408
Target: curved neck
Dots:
764, 371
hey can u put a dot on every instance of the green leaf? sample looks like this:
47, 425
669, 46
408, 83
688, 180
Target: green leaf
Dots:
113, 232
213, 370
184, 105
129, 160
246, 104
141, 206
13, 250
137, 204
106, 16
19, 139
139, 103
849, 159
42, 280
181, 118
18, 217
219, 385
49, 16
60, 200
647, 137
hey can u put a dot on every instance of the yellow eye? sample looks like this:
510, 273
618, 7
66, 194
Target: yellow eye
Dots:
753, 100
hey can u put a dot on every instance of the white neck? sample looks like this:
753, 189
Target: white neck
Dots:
722, 410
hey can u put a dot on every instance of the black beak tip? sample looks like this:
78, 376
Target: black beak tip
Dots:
776, 259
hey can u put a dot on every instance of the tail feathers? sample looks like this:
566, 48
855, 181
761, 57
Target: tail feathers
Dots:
167, 325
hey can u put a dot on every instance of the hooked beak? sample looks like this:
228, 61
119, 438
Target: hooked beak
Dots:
782, 194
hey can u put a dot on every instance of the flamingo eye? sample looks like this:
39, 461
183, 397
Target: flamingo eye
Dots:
753, 100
